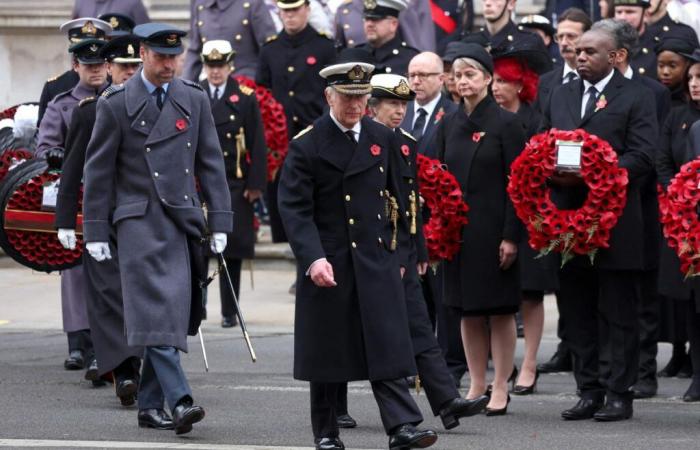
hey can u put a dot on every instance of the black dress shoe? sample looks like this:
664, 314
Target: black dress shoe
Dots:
156, 419
460, 407
329, 444
229, 322
126, 391
584, 409
407, 436
527, 390
614, 410
686, 369
346, 421
693, 392
498, 411
185, 415
675, 364
75, 360
92, 372
560, 362
645, 389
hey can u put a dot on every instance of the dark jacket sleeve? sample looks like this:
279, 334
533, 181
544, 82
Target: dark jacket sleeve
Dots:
255, 143
665, 166
263, 76
513, 142
641, 138
395, 181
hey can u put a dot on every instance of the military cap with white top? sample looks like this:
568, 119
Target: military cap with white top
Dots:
351, 72
217, 51
390, 85
379, 9
86, 28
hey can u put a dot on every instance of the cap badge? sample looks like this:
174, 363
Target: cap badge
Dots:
130, 50
171, 39
356, 73
114, 22
370, 4
94, 48
88, 28
215, 55
402, 89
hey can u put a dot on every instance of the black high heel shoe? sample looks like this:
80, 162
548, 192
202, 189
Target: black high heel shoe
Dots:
511, 379
527, 390
500, 411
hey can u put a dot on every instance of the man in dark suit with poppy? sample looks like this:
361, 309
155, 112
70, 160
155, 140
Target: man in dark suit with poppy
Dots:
604, 293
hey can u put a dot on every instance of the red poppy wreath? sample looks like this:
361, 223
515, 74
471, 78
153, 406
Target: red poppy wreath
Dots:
679, 216
275, 124
570, 232
448, 211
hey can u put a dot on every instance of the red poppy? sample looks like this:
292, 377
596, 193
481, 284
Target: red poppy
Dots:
375, 149
234, 98
405, 150
180, 124
476, 136
311, 60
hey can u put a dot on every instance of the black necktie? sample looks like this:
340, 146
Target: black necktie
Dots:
592, 98
216, 94
159, 96
351, 135
571, 76
419, 124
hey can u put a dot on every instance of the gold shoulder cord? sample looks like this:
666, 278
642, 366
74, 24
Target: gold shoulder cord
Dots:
240, 151
414, 211
394, 217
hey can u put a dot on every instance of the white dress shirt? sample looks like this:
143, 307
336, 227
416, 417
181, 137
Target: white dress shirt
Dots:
428, 107
213, 89
600, 86
567, 71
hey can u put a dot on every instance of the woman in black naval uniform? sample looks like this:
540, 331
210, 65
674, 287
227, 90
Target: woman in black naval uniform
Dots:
478, 143
240, 129
672, 154
517, 66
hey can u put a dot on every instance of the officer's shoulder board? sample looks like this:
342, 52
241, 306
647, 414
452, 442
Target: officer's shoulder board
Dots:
325, 35
303, 132
111, 90
87, 100
192, 84
246, 90
407, 134
271, 38
53, 78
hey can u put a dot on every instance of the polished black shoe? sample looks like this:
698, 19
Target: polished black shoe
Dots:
645, 389
329, 444
583, 410
407, 436
460, 407
75, 360
92, 372
686, 369
126, 391
560, 362
498, 411
156, 419
185, 415
675, 364
693, 392
527, 390
345, 421
229, 322
614, 411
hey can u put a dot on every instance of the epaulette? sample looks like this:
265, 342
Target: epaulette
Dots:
408, 135
87, 100
325, 35
303, 132
246, 90
53, 78
270, 39
192, 84
111, 90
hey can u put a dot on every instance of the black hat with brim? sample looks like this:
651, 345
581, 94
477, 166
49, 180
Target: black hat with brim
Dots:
87, 51
475, 52
161, 37
120, 23
122, 50
528, 48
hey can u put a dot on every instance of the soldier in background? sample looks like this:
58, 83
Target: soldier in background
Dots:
240, 129
94, 8
499, 26
544, 29
246, 24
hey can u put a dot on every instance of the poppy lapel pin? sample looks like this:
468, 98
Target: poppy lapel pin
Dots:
476, 137
234, 98
180, 124
311, 60
375, 149
439, 114
601, 103
405, 150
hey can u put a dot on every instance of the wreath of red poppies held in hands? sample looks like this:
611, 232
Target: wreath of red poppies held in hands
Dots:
275, 124
679, 216
448, 211
570, 232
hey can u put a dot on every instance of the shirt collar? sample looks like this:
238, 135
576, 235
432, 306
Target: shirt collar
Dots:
568, 70
428, 107
221, 88
629, 73
150, 87
355, 129
600, 86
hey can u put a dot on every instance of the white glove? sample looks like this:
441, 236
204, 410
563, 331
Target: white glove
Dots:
98, 250
218, 242
67, 238
25, 118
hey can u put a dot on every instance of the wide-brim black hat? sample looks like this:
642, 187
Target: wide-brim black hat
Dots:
530, 49
694, 57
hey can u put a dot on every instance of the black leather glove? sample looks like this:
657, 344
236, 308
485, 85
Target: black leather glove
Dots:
54, 157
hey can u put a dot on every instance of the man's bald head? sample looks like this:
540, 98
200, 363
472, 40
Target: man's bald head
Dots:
595, 55
425, 75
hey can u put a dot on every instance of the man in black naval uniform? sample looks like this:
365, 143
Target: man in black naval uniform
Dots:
241, 135
105, 306
340, 201
381, 23
77, 30
499, 26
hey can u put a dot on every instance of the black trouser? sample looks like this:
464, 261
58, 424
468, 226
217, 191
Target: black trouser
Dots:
128, 370
693, 324
228, 307
449, 325
593, 298
80, 340
562, 348
396, 406
649, 315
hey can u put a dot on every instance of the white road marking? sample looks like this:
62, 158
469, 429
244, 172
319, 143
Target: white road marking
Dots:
51, 443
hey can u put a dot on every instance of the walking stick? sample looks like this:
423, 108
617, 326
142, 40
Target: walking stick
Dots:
204, 350
222, 264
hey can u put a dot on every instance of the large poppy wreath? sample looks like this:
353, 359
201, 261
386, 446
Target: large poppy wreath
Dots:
679, 216
275, 124
448, 211
571, 232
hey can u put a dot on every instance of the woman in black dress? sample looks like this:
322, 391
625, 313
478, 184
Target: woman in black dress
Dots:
478, 143
672, 154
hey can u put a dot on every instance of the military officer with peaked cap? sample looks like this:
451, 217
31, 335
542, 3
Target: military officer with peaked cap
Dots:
103, 286
390, 52
499, 26
544, 29
246, 24
154, 137
242, 138
92, 73
78, 29
340, 201
121, 25
94, 8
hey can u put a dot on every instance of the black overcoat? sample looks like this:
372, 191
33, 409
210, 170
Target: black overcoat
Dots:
628, 122
478, 150
235, 110
333, 205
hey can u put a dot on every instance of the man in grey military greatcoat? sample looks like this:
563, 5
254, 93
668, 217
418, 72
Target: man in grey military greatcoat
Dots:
152, 138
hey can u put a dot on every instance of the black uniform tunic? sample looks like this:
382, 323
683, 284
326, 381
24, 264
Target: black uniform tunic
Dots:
392, 57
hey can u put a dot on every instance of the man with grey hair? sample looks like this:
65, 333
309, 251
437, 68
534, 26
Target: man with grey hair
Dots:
341, 205
627, 40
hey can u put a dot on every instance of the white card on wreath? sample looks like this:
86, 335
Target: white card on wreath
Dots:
568, 156
49, 196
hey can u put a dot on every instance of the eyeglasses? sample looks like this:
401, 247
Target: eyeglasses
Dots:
422, 76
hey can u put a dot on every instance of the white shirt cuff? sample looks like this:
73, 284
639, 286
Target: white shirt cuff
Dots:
308, 271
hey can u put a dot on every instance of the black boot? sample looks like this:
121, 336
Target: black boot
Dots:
675, 363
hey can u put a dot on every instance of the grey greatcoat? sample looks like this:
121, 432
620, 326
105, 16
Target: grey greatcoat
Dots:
147, 160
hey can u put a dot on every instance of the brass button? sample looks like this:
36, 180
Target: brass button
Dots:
155, 174
351, 42
351, 221
187, 171
665, 28
148, 149
200, 23
347, 198
346, 11
245, 21
346, 26
381, 169
225, 153
238, 37
381, 193
232, 117
395, 51
388, 70
645, 50
403, 43
143, 123
410, 181
246, 5
228, 135
200, 7
295, 119
379, 240
204, 39
189, 144
642, 70
379, 217
162, 199
186, 197
510, 38
291, 93
408, 214
354, 245
290, 69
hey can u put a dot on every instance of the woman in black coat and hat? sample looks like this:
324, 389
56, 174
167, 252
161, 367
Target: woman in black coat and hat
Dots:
478, 143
